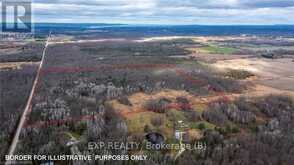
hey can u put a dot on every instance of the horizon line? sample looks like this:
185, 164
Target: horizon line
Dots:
154, 24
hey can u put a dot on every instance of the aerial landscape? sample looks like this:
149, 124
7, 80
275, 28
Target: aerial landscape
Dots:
119, 93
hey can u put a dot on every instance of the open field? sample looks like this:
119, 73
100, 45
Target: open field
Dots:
25, 51
272, 73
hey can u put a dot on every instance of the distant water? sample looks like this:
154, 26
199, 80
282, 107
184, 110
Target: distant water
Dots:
182, 30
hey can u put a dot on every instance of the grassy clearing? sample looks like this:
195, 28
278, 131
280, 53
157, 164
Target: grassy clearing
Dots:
202, 125
175, 115
215, 49
72, 134
238, 74
255, 46
137, 122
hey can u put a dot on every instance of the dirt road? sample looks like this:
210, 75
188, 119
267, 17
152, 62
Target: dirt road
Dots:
28, 106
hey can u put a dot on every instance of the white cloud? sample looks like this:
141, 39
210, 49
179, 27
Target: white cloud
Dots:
166, 11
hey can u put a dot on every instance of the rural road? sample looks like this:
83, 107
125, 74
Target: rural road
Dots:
28, 106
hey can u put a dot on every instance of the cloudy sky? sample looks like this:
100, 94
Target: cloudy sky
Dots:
166, 11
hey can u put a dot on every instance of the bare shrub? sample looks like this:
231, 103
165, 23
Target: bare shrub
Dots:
158, 106
125, 101
157, 121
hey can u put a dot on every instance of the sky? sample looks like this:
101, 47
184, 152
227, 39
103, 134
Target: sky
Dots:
215, 12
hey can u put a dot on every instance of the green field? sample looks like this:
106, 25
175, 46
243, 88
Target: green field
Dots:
216, 49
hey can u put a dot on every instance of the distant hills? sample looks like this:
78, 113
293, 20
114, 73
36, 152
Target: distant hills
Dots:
179, 30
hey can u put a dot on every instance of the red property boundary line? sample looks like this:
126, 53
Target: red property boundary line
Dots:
41, 124
179, 72
104, 67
